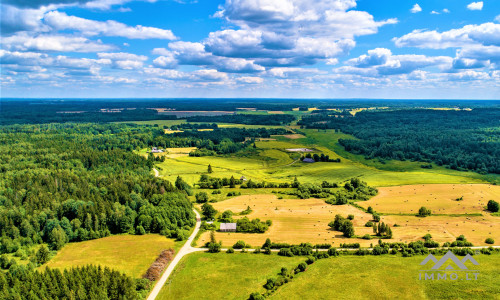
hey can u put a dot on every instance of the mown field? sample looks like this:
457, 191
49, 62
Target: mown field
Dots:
235, 276
223, 276
130, 254
306, 220
440, 198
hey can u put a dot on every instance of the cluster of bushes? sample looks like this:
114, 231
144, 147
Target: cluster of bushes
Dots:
461, 241
424, 212
342, 224
252, 226
320, 158
158, 266
207, 182
383, 230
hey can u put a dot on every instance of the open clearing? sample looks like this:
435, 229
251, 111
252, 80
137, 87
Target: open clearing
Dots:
388, 277
306, 220
439, 198
131, 254
222, 275
294, 221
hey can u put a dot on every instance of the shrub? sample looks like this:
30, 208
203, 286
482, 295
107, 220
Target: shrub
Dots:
230, 250
370, 210
214, 247
350, 217
201, 197
424, 212
302, 267
333, 252
369, 224
310, 260
257, 250
376, 218
239, 245
489, 241
493, 206
367, 237
256, 296
285, 252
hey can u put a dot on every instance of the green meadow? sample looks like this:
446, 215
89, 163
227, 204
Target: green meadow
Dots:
222, 275
272, 163
216, 276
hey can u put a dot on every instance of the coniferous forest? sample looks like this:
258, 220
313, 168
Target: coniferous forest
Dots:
460, 140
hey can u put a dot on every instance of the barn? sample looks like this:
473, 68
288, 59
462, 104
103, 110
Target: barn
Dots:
228, 227
308, 160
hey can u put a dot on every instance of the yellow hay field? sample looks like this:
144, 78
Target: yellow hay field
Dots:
294, 220
439, 198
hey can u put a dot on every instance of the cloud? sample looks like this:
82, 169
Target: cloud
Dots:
497, 18
475, 6
469, 76
125, 61
467, 63
487, 33
381, 61
96, 4
446, 11
61, 21
416, 9
250, 80
47, 42
435, 13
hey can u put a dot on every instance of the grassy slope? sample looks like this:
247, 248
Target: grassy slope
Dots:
223, 276
131, 254
388, 277
271, 163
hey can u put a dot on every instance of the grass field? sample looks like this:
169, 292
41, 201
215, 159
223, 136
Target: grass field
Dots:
131, 254
271, 164
440, 198
223, 276
388, 277
236, 276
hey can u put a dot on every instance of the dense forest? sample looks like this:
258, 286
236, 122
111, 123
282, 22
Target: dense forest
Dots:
63, 183
461, 140
83, 283
247, 119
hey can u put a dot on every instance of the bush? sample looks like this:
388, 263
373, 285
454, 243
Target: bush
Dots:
424, 212
214, 247
333, 252
369, 210
310, 260
376, 218
201, 197
493, 206
257, 250
367, 237
302, 267
285, 252
239, 245
256, 296
230, 250
489, 241
350, 217
369, 224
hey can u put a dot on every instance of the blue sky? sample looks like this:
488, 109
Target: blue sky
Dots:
447, 49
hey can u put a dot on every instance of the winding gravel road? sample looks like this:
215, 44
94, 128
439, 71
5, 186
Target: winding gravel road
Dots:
186, 249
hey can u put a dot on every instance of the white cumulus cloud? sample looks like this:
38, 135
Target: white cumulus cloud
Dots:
475, 6
416, 9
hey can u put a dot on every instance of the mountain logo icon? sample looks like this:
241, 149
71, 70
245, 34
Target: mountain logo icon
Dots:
449, 256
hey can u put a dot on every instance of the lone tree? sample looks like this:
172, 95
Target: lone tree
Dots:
424, 212
42, 255
208, 211
493, 206
210, 169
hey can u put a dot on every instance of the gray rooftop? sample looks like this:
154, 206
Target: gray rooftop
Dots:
227, 226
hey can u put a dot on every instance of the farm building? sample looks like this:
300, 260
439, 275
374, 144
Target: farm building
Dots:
243, 178
228, 227
156, 150
308, 160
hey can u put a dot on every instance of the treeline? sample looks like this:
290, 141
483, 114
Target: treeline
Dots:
247, 119
320, 158
63, 183
460, 140
192, 126
89, 282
